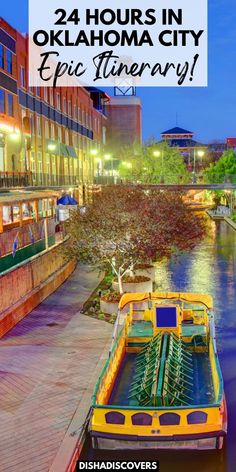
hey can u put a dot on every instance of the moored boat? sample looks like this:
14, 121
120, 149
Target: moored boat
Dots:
161, 387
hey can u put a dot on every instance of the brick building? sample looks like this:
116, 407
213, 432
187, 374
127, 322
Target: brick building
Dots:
124, 122
46, 135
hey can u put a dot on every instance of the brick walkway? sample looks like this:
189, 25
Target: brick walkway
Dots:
46, 365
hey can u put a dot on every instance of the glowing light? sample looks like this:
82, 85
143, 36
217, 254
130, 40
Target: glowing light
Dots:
200, 153
107, 157
127, 164
156, 153
94, 152
52, 147
15, 136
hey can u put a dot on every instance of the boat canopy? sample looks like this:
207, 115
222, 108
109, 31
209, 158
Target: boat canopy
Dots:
201, 298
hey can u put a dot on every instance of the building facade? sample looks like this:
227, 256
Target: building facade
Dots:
46, 134
124, 122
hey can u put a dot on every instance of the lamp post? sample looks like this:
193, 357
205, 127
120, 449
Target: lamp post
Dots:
200, 154
108, 157
158, 153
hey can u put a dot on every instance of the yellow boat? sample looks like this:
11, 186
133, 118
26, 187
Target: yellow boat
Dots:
161, 387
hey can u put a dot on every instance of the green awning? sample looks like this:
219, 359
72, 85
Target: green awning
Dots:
54, 147
71, 151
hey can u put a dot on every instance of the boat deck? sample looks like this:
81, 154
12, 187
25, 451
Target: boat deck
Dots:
202, 391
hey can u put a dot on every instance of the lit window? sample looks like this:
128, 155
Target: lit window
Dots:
46, 129
59, 133
2, 101
10, 105
9, 61
39, 130
52, 131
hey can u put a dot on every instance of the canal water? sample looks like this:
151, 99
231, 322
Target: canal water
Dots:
209, 268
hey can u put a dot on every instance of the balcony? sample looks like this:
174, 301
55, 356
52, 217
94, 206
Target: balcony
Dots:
29, 179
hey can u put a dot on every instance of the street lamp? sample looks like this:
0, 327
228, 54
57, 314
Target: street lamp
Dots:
158, 154
200, 154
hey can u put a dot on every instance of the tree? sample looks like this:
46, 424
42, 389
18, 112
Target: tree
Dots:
223, 169
129, 225
152, 163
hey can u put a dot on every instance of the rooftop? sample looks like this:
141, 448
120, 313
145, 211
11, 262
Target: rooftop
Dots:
177, 130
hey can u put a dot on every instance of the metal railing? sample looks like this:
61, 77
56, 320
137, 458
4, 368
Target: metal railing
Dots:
33, 179
29, 179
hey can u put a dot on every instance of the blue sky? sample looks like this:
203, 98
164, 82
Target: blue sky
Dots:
209, 112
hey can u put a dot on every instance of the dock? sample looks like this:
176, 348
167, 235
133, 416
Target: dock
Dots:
48, 368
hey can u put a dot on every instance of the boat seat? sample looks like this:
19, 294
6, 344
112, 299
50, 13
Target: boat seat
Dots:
189, 330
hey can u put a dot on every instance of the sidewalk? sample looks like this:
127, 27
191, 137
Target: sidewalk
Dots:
47, 365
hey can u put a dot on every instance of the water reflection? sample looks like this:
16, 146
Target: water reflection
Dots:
209, 268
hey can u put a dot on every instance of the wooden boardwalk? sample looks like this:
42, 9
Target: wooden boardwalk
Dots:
46, 366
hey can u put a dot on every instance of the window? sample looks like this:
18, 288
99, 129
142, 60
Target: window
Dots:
6, 215
27, 210
142, 419
69, 108
197, 417
22, 76
52, 131
51, 98
114, 417
10, 105
39, 130
1, 57
58, 101
82, 117
37, 91
59, 133
16, 213
64, 105
45, 94
66, 137
169, 419
9, 61
75, 112
79, 114
32, 124
46, 129
2, 101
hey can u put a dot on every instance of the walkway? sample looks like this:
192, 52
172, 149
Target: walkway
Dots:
47, 367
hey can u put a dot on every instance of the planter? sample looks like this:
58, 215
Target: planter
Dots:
147, 272
129, 287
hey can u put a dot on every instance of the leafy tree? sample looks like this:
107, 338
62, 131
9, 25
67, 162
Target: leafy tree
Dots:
223, 169
129, 225
152, 163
